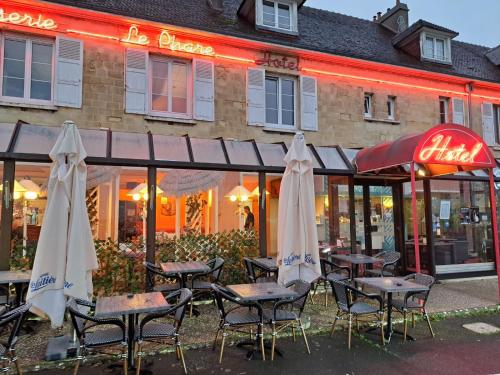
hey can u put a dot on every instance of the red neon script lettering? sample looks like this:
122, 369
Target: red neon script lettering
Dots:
442, 150
134, 37
169, 41
25, 19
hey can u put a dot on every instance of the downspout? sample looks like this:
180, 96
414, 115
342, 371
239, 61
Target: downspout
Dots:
469, 87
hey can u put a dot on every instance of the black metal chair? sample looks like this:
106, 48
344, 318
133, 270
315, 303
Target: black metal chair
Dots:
390, 260
163, 283
98, 338
157, 332
240, 316
256, 274
201, 282
330, 272
13, 319
287, 313
414, 302
350, 303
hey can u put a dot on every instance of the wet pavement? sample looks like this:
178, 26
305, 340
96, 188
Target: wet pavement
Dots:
455, 350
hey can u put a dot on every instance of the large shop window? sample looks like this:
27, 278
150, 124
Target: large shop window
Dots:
409, 234
27, 69
280, 102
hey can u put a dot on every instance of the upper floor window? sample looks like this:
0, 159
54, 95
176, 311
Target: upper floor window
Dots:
444, 109
368, 105
170, 89
280, 102
276, 14
391, 107
436, 48
27, 69
496, 115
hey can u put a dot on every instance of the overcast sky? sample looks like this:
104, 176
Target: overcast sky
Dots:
477, 21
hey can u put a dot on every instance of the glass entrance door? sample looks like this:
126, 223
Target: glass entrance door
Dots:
381, 219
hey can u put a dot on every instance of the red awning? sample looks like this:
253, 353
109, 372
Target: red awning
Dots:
443, 149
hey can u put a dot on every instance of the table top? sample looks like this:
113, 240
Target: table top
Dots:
15, 277
391, 284
261, 291
269, 264
357, 258
184, 267
123, 305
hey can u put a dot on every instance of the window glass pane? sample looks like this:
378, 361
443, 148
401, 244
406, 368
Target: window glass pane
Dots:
271, 100
283, 16
207, 151
368, 105
287, 102
14, 65
440, 49
429, 47
350, 153
272, 154
95, 142
268, 9
315, 161
179, 88
36, 139
130, 146
6, 131
160, 86
242, 153
170, 148
41, 72
331, 158
408, 228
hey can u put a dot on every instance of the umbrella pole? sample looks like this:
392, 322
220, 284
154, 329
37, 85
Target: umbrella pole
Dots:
494, 224
415, 218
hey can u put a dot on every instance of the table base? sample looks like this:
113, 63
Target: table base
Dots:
254, 352
388, 334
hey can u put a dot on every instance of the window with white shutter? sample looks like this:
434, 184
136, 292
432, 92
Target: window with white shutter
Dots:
203, 90
458, 111
136, 81
488, 124
69, 72
308, 103
256, 97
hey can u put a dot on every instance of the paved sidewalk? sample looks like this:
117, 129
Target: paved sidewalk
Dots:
454, 351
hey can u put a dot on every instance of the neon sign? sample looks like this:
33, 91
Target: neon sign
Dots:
443, 150
278, 61
24, 19
169, 41
135, 37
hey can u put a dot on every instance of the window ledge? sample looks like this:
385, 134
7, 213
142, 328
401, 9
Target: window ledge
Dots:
277, 30
47, 107
171, 120
437, 61
271, 129
384, 121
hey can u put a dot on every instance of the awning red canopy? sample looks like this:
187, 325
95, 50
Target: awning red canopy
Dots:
443, 149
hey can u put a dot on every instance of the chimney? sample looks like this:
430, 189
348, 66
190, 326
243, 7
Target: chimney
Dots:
216, 4
396, 18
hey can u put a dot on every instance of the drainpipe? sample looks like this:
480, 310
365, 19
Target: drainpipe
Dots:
469, 87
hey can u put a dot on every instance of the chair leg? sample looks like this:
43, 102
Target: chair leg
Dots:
405, 322
262, 348
413, 320
293, 332
251, 334
77, 366
429, 323
334, 323
224, 334
349, 334
313, 294
139, 359
273, 341
357, 325
326, 294
125, 357
18, 366
382, 333
191, 309
181, 353
305, 337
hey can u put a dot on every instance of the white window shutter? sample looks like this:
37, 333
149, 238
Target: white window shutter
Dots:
69, 72
458, 111
256, 97
203, 84
488, 124
308, 103
136, 78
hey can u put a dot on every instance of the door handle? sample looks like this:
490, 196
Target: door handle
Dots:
151, 197
6, 194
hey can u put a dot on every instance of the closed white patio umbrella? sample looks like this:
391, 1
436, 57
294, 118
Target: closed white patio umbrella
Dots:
65, 255
298, 252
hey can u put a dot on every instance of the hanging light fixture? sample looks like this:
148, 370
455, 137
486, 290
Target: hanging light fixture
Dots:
141, 192
256, 192
32, 190
239, 194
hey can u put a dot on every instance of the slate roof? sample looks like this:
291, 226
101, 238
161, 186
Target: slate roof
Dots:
416, 27
319, 30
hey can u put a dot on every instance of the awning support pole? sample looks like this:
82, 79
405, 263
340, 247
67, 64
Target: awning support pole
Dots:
494, 225
415, 218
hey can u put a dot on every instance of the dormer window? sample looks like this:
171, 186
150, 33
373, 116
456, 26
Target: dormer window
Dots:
436, 48
277, 15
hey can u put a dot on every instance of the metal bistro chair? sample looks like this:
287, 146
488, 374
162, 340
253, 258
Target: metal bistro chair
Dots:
167, 282
330, 272
414, 302
96, 339
240, 316
14, 319
344, 296
157, 332
201, 282
287, 313
256, 274
390, 259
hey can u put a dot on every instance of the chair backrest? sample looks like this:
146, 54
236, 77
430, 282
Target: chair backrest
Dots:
302, 288
250, 270
78, 319
422, 279
184, 296
341, 294
216, 269
153, 270
390, 257
15, 316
